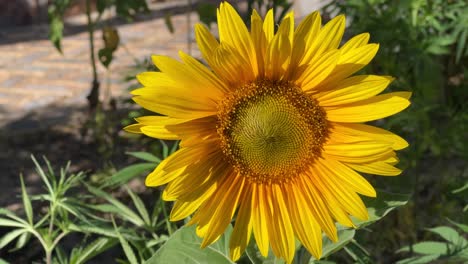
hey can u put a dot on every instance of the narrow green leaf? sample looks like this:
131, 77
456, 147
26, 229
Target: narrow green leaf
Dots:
26, 201
93, 249
11, 223
2, 261
128, 173
140, 206
22, 240
123, 212
381, 205
463, 227
461, 46
8, 237
145, 156
126, 247
43, 176
184, 247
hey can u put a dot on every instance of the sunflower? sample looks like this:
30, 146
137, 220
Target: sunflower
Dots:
272, 130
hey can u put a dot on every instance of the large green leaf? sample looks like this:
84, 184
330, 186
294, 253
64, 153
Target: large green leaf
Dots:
381, 205
184, 247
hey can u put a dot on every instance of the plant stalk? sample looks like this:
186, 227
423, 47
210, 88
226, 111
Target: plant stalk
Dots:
93, 96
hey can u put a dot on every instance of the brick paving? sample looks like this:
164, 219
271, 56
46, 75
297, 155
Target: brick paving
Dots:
34, 75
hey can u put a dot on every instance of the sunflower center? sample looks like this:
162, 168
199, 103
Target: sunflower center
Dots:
271, 131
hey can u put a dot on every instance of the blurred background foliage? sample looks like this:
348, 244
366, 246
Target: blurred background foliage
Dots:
423, 43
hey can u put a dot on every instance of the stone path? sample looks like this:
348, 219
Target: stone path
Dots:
33, 74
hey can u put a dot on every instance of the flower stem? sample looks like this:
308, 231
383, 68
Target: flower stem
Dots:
93, 96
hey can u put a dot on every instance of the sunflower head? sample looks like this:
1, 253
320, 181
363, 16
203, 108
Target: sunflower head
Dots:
271, 129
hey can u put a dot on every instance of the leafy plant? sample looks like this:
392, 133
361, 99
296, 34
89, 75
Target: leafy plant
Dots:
50, 228
454, 248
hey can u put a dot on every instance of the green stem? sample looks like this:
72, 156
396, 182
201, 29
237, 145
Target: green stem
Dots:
91, 38
93, 96
166, 217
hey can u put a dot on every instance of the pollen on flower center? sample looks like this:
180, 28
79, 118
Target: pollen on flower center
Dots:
271, 131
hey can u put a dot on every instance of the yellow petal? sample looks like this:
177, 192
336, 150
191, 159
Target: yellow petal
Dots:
134, 128
278, 52
188, 79
259, 224
151, 79
335, 208
269, 25
207, 43
328, 38
195, 175
279, 224
349, 63
230, 66
318, 208
203, 72
175, 105
233, 32
182, 209
289, 20
259, 40
225, 201
378, 168
355, 42
318, 70
374, 108
240, 236
305, 226
174, 165
348, 177
358, 152
349, 200
303, 37
354, 89
363, 131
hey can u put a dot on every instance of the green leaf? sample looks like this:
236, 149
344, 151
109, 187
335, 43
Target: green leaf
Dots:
184, 247
381, 205
43, 176
124, 212
254, 255
126, 247
140, 206
428, 248
2, 261
128, 173
447, 233
26, 201
344, 235
461, 45
8, 237
145, 156
463, 227
93, 249
56, 31
168, 22
22, 240
461, 189
419, 260
11, 223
